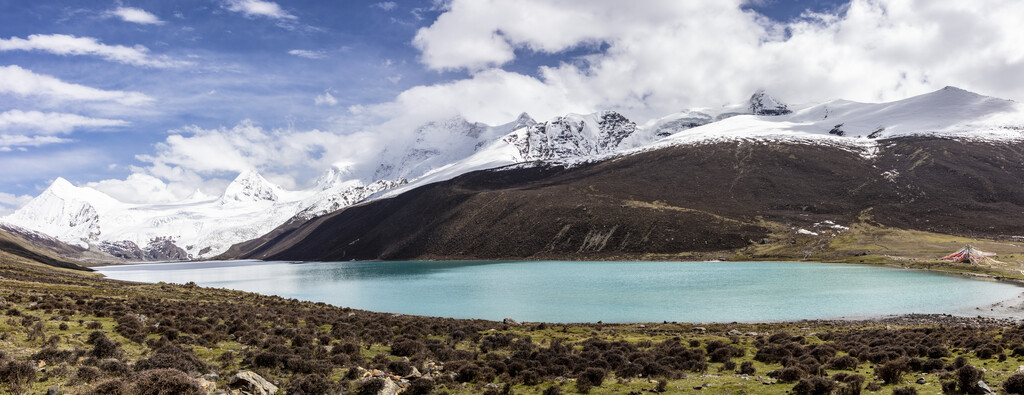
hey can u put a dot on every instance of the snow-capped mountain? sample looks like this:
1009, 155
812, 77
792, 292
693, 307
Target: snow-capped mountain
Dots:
202, 226
65, 212
948, 112
197, 227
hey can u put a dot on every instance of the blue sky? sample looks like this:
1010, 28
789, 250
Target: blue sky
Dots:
108, 93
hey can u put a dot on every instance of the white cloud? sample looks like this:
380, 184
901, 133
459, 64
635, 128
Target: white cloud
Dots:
139, 188
326, 99
386, 5
63, 44
136, 15
18, 81
9, 142
305, 53
52, 122
256, 8
207, 159
667, 55
10, 202
248, 145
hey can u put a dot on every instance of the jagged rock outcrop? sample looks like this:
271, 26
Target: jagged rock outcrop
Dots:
572, 136
763, 104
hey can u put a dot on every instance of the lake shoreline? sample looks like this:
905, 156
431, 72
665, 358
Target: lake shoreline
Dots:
1004, 302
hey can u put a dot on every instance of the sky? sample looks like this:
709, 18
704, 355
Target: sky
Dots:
149, 101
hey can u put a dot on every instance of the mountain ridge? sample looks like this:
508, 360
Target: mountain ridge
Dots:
449, 148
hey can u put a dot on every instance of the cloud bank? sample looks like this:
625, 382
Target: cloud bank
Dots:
18, 81
666, 55
52, 122
63, 44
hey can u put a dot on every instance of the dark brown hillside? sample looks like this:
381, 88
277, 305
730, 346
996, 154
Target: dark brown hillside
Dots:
688, 199
38, 248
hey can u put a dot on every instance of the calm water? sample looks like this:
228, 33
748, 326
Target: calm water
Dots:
596, 291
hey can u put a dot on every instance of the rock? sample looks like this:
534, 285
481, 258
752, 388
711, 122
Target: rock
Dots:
733, 332
415, 373
491, 386
700, 329
390, 387
54, 390
253, 383
208, 386
211, 377
983, 388
921, 380
509, 321
1020, 369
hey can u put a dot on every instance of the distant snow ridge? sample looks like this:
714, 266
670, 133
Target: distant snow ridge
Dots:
572, 136
251, 206
195, 228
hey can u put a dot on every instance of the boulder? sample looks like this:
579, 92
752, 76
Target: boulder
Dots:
252, 383
208, 386
389, 388
983, 388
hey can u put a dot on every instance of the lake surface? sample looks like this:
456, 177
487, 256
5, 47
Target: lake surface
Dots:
596, 291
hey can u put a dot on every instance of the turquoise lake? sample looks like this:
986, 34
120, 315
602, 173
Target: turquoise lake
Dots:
550, 291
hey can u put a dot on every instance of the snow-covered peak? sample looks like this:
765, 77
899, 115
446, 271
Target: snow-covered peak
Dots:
66, 212
196, 196
761, 103
250, 186
335, 177
63, 189
61, 186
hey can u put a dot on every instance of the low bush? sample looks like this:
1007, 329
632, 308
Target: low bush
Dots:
311, 384
166, 382
892, 372
370, 387
844, 362
1014, 384
747, 368
815, 386
967, 378
420, 387
788, 375
110, 387
904, 391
